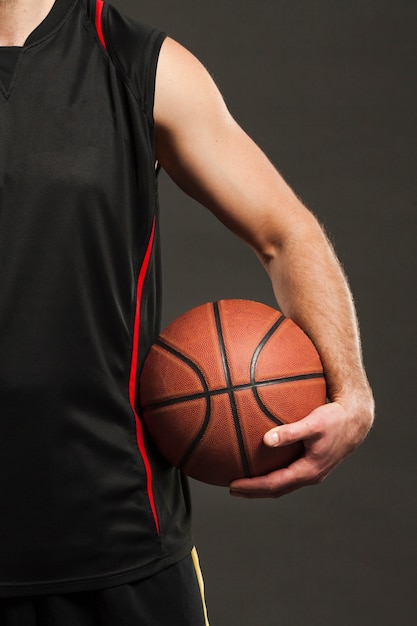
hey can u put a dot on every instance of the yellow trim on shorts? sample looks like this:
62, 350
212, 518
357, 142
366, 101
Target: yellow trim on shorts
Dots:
197, 568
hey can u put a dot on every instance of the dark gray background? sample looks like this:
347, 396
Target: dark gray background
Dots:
328, 89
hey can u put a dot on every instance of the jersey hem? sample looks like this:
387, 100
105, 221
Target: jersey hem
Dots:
96, 582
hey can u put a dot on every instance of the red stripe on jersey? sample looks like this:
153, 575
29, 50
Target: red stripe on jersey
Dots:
99, 27
133, 373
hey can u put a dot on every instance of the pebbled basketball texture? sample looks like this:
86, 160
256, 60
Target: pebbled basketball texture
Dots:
221, 375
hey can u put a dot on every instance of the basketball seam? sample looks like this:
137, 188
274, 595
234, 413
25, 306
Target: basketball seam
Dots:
254, 361
205, 395
217, 392
230, 391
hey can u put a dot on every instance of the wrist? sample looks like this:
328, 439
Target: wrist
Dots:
358, 402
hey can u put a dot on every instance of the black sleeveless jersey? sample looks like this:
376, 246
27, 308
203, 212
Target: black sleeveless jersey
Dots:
86, 501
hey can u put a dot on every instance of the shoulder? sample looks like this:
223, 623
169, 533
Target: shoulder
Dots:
124, 33
184, 87
133, 48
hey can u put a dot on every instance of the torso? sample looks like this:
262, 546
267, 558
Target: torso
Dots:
77, 236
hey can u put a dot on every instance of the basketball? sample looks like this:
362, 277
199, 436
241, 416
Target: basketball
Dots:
220, 376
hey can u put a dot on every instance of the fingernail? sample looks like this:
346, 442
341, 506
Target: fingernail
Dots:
272, 439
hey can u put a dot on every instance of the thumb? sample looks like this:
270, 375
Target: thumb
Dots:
280, 436
290, 433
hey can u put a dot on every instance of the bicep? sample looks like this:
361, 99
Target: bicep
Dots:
212, 159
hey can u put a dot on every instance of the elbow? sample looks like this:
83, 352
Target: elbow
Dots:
277, 239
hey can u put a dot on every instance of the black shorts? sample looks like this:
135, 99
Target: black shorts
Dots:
173, 597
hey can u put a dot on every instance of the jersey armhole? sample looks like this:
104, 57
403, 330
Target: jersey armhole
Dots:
133, 49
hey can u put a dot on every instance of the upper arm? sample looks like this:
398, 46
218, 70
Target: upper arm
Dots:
212, 159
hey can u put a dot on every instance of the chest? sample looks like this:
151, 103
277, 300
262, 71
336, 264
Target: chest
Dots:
68, 123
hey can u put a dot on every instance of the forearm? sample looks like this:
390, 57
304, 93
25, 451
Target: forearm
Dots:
311, 289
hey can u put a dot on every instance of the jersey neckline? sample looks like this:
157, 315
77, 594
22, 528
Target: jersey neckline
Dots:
48, 24
55, 15
10, 55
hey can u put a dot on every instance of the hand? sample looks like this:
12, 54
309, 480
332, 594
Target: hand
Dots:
330, 433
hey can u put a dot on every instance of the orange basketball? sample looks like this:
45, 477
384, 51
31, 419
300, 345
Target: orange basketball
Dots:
218, 378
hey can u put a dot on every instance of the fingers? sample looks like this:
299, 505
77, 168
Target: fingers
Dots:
279, 483
319, 458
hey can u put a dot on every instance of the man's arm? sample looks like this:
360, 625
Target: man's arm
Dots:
211, 158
